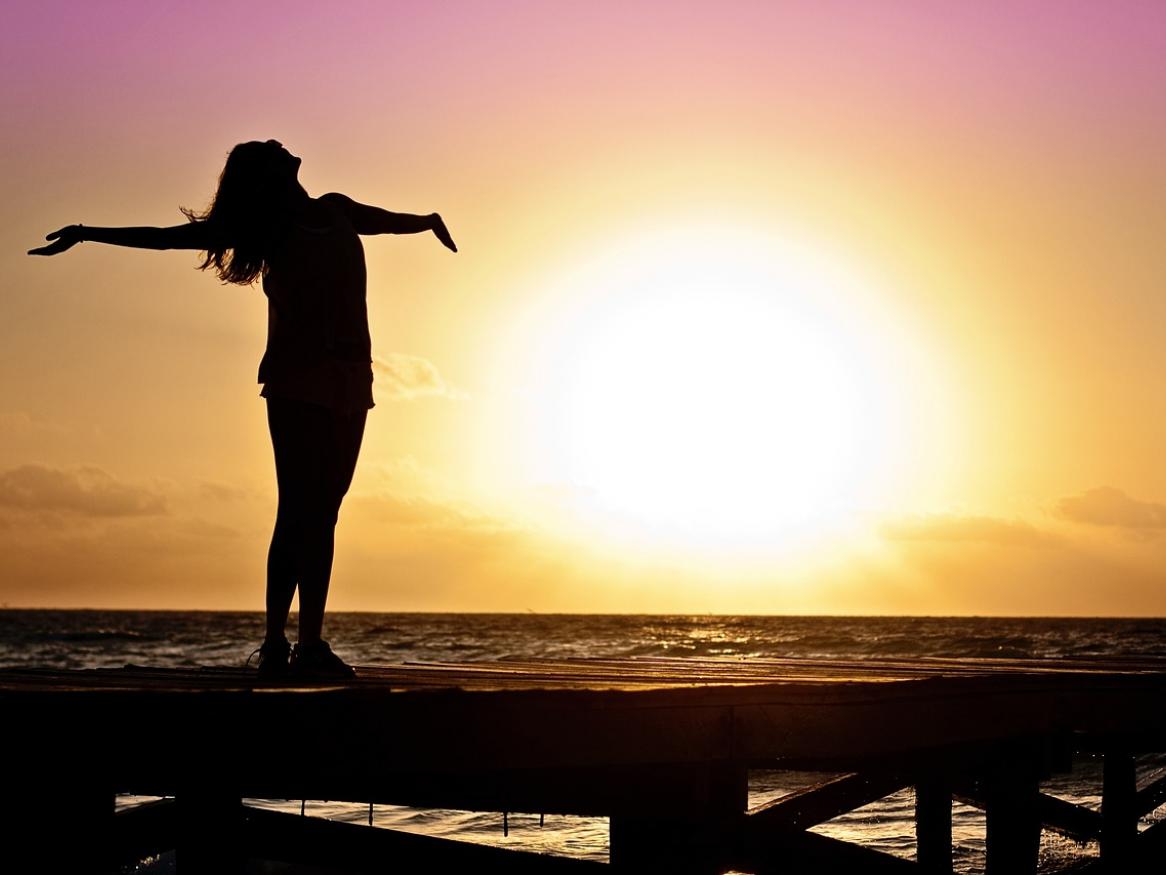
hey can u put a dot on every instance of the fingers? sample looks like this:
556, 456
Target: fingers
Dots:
61, 239
52, 248
444, 236
442, 233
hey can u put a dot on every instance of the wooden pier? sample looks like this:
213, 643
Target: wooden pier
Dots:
662, 747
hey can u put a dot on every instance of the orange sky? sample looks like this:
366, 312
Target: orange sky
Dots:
813, 309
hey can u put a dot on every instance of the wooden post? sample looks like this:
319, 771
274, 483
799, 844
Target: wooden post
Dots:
933, 827
1012, 790
91, 806
56, 823
698, 842
209, 831
1119, 813
58, 818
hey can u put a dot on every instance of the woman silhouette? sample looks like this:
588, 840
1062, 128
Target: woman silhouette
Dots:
316, 371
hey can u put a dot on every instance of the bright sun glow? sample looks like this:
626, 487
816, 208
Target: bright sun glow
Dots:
711, 388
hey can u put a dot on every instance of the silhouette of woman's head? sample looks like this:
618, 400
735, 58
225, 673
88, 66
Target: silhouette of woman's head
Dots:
249, 209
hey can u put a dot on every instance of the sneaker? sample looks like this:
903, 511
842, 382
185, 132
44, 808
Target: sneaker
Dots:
273, 658
318, 661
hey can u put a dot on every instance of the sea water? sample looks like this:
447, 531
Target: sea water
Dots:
102, 639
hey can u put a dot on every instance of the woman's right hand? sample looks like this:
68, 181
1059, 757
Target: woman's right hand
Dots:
63, 239
442, 233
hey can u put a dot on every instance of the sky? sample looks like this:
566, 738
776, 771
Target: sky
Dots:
809, 307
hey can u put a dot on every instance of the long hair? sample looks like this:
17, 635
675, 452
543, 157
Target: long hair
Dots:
246, 214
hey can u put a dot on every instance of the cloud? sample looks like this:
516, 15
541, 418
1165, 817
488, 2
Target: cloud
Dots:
85, 491
401, 377
421, 513
1108, 506
222, 491
951, 528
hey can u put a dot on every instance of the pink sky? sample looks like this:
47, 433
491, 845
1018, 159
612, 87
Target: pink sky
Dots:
998, 164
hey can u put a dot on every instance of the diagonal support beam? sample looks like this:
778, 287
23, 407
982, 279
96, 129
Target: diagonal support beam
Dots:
352, 848
821, 802
1069, 819
1151, 796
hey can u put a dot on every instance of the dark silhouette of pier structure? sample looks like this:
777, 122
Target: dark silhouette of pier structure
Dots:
661, 747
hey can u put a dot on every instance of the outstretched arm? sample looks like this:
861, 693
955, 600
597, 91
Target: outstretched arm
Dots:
191, 235
374, 220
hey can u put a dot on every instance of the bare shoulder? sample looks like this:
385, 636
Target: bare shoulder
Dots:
363, 218
343, 204
338, 201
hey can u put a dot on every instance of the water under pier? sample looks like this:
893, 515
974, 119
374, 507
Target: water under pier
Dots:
663, 747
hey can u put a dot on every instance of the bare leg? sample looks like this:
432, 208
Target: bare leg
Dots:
319, 546
315, 456
281, 575
291, 441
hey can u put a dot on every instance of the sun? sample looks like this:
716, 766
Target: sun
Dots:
710, 387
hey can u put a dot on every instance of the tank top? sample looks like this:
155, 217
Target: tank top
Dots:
318, 344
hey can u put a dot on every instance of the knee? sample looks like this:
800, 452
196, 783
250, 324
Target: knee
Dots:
306, 522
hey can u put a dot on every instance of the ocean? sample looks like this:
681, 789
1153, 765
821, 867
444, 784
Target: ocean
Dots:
100, 639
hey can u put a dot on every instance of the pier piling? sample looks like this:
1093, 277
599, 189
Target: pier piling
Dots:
933, 849
1119, 814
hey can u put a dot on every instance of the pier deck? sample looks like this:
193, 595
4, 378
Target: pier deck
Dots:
661, 746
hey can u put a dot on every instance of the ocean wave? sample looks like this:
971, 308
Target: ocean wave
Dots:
102, 638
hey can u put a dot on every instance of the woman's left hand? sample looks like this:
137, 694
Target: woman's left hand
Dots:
63, 239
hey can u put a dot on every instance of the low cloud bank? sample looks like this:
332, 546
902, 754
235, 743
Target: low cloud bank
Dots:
1109, 506
84, 491
976, 529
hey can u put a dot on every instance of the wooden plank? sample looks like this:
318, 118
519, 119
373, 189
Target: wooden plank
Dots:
374, 739
596, 673
456, 731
